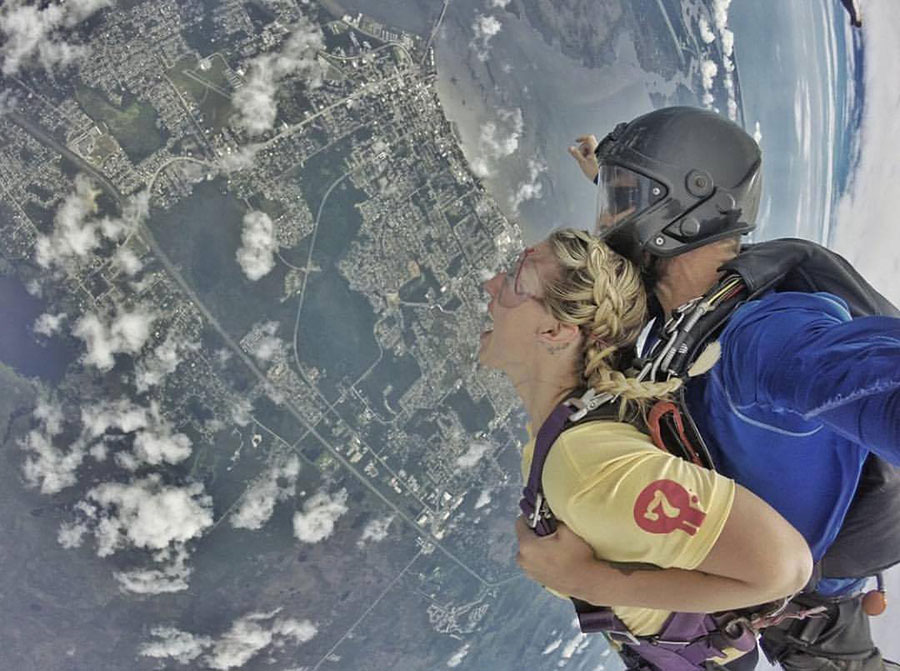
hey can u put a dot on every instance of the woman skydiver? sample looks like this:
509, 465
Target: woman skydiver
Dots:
564, 315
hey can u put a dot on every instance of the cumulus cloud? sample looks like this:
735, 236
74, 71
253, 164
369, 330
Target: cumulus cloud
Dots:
458, 656
128, 261
484, 498
164, 360
145, 514
473, 455
154, 439
104, 336
53, 468
77, 234
256, 255
726, 38
530, 189
376, 530
241, 411
498, 139
485, 28
866, 231
35, 34
706, 33
320, 513
246, 638
258, 502
708, 72
242, 159
171, 577
174, 644
46, 466
49, 325
263, 344
255, 100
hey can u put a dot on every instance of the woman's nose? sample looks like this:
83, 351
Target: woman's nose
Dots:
490, 285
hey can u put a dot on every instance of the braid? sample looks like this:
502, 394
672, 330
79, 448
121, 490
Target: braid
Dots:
602, 293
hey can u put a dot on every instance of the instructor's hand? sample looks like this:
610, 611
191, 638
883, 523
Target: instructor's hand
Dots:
561, 561
583, 153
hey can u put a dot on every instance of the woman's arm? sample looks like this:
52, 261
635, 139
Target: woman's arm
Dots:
757, 558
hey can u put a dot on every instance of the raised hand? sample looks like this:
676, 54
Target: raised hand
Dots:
583, 153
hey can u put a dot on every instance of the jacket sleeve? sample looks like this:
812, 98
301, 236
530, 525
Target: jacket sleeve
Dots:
802, 354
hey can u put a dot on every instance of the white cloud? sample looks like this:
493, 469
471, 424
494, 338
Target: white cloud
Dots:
757, 133
151, 370
242, 159
72, 236
498, 139
320, 513
706, 34
35, 35
47, 466
128, 261
274, 485
867, 233
167, 579
531, 189
473, 455
573, 645
458, 656
246, 638
485, 28
263, 344
155, 441
125, 333
500, 4
76, 235
256, 255
708, 72
484, 498
174, 644
552, 646
255, 100
241, 412
48, 325
376, 530
146, 514
720, 19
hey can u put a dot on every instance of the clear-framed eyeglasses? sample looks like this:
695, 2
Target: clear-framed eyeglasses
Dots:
511, 293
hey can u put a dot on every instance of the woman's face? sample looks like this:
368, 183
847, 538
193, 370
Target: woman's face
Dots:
517, 310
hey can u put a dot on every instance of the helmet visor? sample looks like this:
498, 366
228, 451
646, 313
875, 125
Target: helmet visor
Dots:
621, 195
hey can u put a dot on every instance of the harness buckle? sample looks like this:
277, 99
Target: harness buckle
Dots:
587, 402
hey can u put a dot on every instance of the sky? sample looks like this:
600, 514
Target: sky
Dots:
867, 230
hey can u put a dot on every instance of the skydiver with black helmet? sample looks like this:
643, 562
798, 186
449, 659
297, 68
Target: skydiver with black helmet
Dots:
798, 395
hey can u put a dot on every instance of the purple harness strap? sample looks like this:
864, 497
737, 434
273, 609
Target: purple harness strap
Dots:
685, 641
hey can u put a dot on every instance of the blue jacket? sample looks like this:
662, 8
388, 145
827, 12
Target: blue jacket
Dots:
800, 396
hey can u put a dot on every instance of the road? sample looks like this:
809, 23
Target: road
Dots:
46, 139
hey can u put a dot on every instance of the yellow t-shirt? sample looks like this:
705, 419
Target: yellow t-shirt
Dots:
633, 502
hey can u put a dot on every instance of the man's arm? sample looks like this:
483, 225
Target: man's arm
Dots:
757, 558
809, 358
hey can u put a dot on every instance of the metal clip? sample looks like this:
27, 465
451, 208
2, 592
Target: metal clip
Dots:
537, 514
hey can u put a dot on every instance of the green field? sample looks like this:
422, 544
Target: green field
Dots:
134, 125
209, 88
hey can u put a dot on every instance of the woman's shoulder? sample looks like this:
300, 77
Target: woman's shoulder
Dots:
586, 448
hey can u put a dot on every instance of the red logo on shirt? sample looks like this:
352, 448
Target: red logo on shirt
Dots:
664, 506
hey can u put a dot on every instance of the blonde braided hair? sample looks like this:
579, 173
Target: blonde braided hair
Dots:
602, 293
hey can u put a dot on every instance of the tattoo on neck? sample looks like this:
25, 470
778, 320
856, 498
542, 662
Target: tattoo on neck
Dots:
554, 349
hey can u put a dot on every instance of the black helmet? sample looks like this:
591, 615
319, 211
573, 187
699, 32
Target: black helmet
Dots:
676, 179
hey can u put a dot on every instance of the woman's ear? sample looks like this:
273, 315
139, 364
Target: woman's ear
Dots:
560, 333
